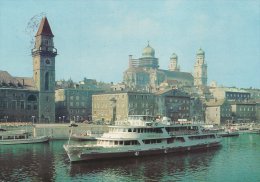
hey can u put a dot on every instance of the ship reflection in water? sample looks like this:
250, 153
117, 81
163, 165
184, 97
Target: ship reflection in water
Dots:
170, 167
237, 160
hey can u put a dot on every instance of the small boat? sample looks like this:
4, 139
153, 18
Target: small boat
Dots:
254, 129
142, 135
20, 137
229, 133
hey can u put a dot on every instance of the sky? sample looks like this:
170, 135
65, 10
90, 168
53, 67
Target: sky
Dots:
94, 38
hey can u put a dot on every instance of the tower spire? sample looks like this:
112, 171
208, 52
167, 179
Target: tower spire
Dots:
44, 28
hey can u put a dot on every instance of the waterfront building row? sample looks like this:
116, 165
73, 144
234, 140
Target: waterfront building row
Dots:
172, 93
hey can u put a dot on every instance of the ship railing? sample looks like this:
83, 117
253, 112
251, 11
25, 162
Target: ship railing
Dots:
184, 132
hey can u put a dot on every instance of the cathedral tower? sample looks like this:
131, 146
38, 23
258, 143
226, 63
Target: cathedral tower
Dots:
43, 55
200, 69
173, 66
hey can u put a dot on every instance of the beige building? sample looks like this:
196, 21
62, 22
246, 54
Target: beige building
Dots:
218, 112
118, 105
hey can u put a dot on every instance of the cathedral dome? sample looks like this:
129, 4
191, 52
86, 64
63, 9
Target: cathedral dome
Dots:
148, 51
174, 56
200, 52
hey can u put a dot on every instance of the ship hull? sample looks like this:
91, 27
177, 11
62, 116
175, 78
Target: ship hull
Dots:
76, 155
24, 141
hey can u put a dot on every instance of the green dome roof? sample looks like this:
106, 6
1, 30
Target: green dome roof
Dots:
200, 52
174, 56
148, 51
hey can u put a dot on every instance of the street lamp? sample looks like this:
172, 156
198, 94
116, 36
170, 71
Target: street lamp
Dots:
6, 118
132, 112
59, 119
63, 117
33, 119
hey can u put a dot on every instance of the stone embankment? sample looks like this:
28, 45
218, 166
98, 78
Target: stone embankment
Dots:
54, 131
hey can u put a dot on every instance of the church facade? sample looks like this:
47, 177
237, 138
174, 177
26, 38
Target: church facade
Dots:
143, 74
32, 98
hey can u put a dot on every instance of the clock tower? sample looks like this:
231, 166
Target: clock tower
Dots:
44, 54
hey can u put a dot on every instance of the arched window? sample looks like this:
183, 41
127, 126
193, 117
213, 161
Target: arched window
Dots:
47, 81
32, 98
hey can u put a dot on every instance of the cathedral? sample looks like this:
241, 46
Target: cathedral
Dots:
32, 98
143, 74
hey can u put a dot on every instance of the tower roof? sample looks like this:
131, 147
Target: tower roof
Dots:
148, 51
44, 28
200, 52
174, 56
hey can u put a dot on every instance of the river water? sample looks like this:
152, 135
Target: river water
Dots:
237, 160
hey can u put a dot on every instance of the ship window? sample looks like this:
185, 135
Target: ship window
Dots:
116, 142
180, 139
121, 142
170, 140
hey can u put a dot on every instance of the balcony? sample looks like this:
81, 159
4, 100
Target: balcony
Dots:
44, 50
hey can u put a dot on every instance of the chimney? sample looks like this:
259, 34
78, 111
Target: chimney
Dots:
130, 61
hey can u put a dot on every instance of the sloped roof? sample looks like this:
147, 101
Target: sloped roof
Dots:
172, 92
7, 78
44, 28
136, 69
177, 74
27, 82
215, 103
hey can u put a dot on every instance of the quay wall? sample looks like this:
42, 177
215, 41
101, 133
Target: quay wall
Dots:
56, 131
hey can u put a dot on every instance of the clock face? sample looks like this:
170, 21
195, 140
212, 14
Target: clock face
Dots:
47, 61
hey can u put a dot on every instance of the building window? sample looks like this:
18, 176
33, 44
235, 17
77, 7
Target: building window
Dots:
47, 81
13, 104
32, 98
22, 104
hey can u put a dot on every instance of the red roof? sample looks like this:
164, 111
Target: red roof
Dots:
44, 28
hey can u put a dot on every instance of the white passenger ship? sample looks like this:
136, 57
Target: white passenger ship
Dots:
142, 135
